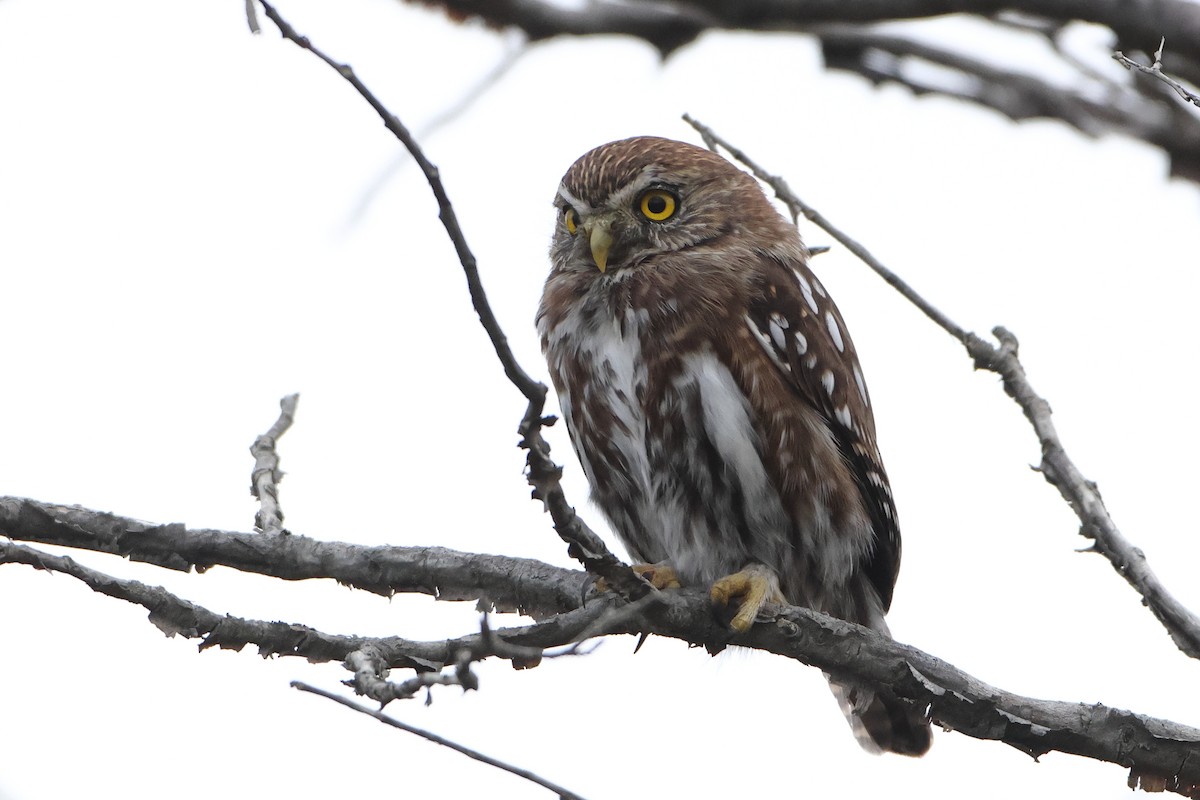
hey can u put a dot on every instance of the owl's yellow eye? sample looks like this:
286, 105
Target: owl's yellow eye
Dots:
657, 205
569, 219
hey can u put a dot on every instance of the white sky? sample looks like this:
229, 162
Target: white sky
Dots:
179, 249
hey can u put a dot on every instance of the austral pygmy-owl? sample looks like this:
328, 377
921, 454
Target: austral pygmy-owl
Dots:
715, 399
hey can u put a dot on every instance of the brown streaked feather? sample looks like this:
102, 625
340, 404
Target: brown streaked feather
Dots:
796, 319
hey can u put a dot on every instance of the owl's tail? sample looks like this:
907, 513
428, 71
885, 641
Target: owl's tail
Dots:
882, 724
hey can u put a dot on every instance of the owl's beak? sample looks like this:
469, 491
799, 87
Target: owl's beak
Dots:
599, 239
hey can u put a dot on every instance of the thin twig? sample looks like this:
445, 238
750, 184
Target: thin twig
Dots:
1057, 468
798, 206
370, 663
369, 666
520, 378
265, 478
252, 17
1155, 71
564, 793
543, 473
175, 616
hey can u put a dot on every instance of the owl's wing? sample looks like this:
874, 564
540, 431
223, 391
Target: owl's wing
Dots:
799, 326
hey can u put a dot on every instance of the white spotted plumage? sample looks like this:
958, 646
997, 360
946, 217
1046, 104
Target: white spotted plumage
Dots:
835, 332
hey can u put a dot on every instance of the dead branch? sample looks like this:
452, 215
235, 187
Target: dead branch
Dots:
175, 616
851, 40
522, 585
853, 654
1155, 71
264, 479
659, 22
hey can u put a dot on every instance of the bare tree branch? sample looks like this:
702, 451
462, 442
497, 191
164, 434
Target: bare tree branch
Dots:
1058, 469
650, 19
175, 616
264, 479
1162, 751
665, 25
566, 794
1155, 71
799, 208
1154, 749
252, 17
504, 583
371, 662
851, 41
1017, 94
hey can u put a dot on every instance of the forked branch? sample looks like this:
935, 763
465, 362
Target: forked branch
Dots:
1155, 70
1157, 751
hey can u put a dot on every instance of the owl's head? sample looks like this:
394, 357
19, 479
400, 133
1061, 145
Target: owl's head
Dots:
626, 202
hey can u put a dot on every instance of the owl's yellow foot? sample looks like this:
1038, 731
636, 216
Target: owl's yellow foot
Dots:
755, 586
661, 576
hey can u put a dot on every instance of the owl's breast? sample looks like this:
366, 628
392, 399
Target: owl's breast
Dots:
668, 441
599, 368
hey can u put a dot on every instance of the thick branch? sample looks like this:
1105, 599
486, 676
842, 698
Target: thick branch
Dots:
667, 26
1079, 492
660, 22
850, 42
1017, 94
1164, 751
648, 19
507, 584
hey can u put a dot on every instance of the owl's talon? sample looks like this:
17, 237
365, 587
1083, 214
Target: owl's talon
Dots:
756, 585
661, 576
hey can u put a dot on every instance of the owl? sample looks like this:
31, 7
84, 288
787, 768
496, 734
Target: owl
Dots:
713, 395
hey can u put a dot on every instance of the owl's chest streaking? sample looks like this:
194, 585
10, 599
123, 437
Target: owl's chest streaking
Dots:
695, 448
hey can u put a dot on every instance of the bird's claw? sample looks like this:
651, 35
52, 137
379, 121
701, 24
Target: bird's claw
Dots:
754, 586
661, 576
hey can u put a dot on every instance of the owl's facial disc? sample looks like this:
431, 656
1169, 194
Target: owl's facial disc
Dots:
623, 227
